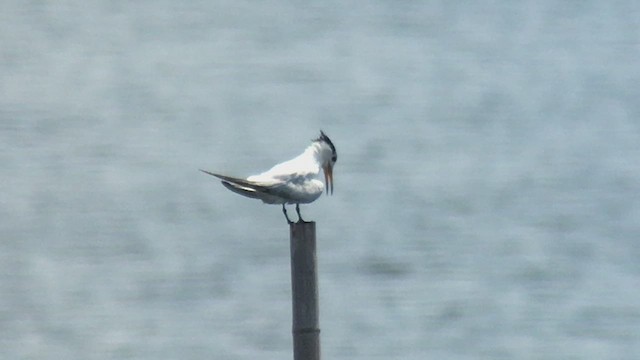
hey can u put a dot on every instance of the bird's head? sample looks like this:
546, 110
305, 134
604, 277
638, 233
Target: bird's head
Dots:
328, 156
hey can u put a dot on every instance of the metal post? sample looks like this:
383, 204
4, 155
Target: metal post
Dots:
304, 289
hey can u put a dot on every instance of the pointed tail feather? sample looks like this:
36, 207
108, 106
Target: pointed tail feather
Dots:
244, 191
266, 193
219, 176
237, 181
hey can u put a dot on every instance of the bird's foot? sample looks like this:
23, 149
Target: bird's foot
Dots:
284, 211
300, 220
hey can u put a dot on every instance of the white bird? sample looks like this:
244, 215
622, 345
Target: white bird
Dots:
292, 182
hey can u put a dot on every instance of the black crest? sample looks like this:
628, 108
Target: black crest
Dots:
325, 138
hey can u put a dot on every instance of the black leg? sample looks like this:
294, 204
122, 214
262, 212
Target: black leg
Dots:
299, 216
284, 210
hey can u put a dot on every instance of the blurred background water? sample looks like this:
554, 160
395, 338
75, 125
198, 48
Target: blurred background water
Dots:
487, 189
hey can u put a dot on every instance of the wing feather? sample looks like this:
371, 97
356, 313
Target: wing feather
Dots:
253, 189
242, 182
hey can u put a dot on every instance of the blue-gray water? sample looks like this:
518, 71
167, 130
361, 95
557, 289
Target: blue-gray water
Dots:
487, 189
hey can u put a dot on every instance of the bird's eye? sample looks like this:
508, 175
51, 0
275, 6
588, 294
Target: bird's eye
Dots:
334, 158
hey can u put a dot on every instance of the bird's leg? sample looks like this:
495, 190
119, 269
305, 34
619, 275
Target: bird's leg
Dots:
299, 216
284, 210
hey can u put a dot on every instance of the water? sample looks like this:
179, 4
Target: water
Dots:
486, 202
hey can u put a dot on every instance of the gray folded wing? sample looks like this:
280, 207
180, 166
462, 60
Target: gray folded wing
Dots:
268, 193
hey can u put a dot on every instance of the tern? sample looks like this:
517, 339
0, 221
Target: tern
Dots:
295, 181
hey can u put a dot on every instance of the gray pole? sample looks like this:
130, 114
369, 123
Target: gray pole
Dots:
304, 291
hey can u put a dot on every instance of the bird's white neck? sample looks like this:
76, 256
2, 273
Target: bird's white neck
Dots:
319, 152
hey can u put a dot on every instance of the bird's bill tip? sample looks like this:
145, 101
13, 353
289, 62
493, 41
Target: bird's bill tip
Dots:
328, 178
